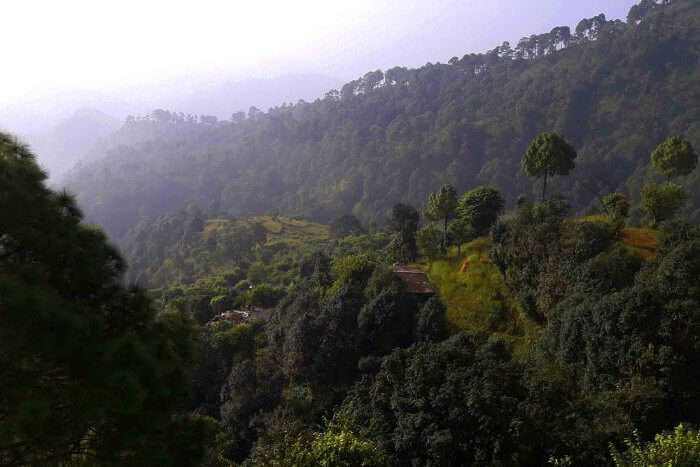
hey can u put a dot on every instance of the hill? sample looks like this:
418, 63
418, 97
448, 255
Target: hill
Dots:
614, 90
568, 335
71, 139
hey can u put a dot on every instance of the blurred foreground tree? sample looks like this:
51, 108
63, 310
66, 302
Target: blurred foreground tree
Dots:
88, 372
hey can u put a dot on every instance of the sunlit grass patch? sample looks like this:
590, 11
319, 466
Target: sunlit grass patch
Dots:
602, 218
644, 241
477, 298
469, 285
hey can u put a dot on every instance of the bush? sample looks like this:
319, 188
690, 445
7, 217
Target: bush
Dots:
351, 270
345, 226
617, 205
335, 449
431, 324
680, 448
265, 296
257, 273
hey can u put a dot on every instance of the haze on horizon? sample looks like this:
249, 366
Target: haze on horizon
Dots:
113, 47
79, 67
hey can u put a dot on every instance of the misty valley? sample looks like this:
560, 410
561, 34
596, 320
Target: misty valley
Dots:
493, 261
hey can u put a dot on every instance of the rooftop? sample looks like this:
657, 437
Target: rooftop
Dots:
413, 280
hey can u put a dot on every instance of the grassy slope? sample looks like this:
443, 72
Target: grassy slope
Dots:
476, 297
478, 300
644, 241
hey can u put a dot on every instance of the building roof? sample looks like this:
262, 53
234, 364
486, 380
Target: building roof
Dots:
413, 280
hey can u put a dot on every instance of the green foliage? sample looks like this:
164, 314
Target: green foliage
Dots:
352, 270
264, 296
431, 324
387, 322
442, 206
346, 225
466, 123
404, 222
680, 448
475, 295
317, 268
382, 278
661, 202
548, 155
480, 208
87, 369
530, 248
184, 246
220, 303
429, 241
674, 157
334, 449
617, 205
574, 337
459, 232
451, 403
253, 385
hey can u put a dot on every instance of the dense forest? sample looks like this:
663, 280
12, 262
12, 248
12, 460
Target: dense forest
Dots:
493, 262
544, 338
615, 90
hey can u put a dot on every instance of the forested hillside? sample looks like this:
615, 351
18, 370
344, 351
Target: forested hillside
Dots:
273, 341
615, 90
510, 274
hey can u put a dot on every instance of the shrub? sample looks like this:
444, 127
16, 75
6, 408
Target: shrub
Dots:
335, 449
617, 205
680, 448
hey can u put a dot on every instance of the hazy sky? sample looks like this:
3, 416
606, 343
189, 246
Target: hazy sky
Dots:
106, 45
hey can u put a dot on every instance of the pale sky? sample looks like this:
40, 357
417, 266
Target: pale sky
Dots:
105, 45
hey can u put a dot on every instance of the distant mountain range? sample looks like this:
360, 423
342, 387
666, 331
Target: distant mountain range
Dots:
63, 128
615, 90
222, 98
65, 144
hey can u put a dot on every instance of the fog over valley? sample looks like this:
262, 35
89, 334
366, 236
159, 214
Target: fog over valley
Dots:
105, 63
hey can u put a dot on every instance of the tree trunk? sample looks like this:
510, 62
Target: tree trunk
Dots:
544, 186
444, 237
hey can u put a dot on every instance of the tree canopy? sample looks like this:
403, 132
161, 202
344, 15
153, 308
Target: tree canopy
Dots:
480, 208
548, 155
674, 157
442, 206
87, 368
